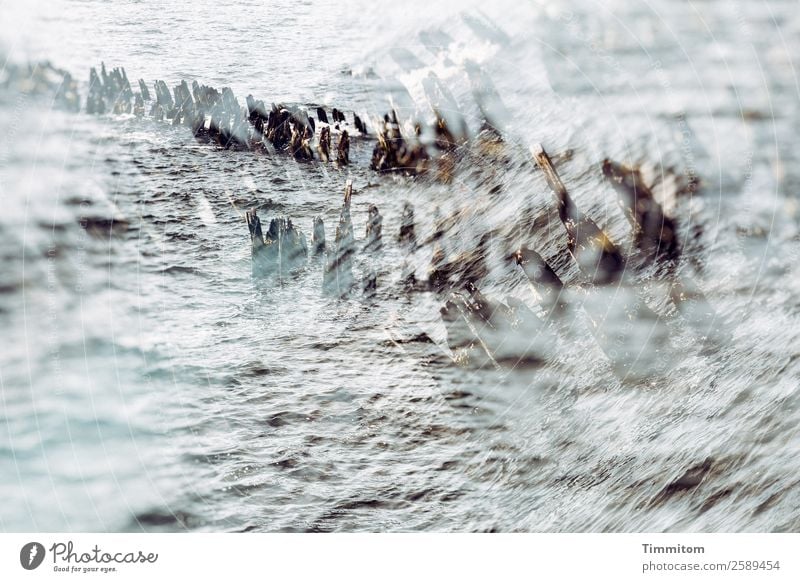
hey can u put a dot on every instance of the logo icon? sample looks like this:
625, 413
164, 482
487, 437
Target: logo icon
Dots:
31, 555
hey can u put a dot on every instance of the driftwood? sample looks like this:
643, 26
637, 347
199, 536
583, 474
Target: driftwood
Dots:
598, 258
216, 117
283, 249
338, 274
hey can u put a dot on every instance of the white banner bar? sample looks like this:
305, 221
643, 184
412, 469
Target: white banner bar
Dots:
399, 557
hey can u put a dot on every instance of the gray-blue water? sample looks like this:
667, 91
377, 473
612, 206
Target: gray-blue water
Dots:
147, 381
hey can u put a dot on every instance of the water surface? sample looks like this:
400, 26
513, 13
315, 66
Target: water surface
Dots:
150, 383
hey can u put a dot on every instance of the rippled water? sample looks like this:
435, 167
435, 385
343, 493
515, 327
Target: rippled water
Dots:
149, 382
